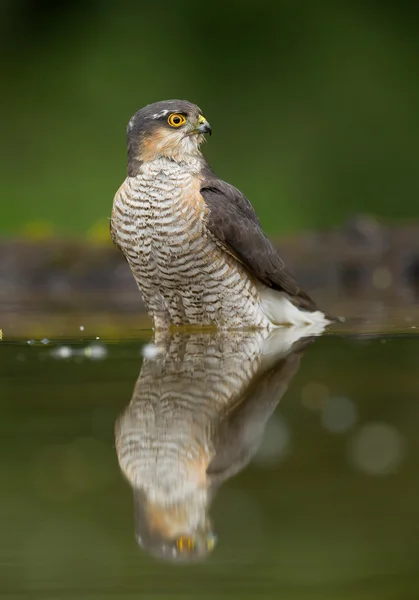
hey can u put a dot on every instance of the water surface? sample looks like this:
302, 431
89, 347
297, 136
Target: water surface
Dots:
214, 467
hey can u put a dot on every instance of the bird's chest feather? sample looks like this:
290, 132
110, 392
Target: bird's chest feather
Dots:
169, 212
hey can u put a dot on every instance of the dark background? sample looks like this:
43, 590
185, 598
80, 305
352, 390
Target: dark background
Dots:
314, 105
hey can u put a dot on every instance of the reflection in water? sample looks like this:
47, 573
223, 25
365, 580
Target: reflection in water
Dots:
196, 417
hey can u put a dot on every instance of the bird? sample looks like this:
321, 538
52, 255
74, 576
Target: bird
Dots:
196, 417
194, 242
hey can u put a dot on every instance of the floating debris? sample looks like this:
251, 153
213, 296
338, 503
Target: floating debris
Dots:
62, 352
92, 352
151, 351
95, 352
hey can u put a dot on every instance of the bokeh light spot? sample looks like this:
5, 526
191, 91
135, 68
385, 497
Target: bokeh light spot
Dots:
377, 449
339, 414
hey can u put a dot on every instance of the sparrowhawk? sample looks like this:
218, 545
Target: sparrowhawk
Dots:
196, 417
194, 242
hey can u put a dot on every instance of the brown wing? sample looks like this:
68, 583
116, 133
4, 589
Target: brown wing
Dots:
241, 432
233, 221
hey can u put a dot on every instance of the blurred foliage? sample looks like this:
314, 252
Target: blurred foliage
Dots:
313, 105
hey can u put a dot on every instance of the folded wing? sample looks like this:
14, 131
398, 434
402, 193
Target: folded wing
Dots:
234, 223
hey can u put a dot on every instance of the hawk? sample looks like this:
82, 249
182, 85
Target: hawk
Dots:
194, 242
196, 417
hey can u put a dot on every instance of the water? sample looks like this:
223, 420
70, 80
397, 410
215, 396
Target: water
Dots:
207, 470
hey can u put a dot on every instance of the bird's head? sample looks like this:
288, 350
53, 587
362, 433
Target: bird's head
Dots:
171, 129
179, 532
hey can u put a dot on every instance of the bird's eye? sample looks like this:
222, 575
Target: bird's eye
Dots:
176, 120
185, 544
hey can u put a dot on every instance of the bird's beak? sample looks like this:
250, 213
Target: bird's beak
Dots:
203, 126
211, 541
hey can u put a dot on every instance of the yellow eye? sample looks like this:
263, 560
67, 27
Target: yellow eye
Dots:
185, 544
176, 120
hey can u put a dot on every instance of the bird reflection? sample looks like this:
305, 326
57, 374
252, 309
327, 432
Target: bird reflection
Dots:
196, 417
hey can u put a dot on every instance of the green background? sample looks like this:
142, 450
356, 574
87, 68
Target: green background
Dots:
313, 105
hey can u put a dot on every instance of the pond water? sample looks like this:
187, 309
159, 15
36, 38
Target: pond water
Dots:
208, 465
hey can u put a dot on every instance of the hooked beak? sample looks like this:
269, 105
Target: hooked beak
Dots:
211, 541
203, 126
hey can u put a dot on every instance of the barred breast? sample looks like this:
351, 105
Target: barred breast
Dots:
196, 417
185, 277
164, 438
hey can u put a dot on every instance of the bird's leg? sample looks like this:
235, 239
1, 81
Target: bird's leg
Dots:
158, 311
